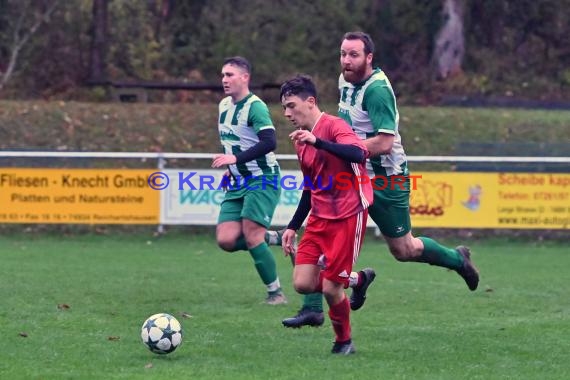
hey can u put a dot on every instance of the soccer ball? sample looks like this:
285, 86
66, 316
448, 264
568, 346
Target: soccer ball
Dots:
161, 333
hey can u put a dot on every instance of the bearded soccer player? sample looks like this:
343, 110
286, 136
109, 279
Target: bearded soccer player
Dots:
248, 138
327, 149
367, 102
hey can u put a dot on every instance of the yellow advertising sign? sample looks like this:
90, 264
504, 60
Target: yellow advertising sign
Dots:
77, 196
438, 199
491, 200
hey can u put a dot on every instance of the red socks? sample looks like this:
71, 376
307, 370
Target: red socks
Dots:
340, 319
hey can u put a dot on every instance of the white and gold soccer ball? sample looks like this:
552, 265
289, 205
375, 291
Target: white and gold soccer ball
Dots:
161, 333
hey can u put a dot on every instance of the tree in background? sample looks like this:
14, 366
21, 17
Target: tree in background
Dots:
518, 47
136, 51
449, 41
99, 42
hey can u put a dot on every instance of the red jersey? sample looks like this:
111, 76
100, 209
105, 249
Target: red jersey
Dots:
335, 184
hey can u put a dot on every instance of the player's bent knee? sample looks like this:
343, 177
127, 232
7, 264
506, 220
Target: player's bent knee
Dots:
303, 287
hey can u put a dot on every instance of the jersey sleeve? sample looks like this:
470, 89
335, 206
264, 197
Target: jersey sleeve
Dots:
380, 103
259, 117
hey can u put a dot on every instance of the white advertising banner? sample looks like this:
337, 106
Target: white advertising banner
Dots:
194, 196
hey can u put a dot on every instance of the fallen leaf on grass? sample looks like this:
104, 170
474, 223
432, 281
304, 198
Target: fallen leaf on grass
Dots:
186, 315
113, 338
100, 231
63, 306
23, 334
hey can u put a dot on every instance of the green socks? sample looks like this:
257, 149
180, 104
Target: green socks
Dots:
436, 254
265, 265
313, 301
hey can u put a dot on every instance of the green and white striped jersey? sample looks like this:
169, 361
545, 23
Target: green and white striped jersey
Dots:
370, 108
238, 125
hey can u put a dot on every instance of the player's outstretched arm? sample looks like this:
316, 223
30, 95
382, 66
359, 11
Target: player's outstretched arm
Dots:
347, 152
267, 143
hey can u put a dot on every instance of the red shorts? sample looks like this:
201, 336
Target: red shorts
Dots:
339, 240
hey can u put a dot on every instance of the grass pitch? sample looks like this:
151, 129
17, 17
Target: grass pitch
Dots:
72, 307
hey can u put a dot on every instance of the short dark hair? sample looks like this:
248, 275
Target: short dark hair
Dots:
364, 37
239, 62
300, 85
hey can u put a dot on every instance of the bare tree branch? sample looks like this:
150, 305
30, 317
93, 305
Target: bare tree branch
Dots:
19, 41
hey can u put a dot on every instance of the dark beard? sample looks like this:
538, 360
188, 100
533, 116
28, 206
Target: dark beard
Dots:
356, 75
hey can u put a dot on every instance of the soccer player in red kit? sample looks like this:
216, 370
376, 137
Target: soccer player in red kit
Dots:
329, 153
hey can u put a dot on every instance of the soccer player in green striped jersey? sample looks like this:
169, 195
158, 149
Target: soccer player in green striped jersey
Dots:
367, 102
248, 139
